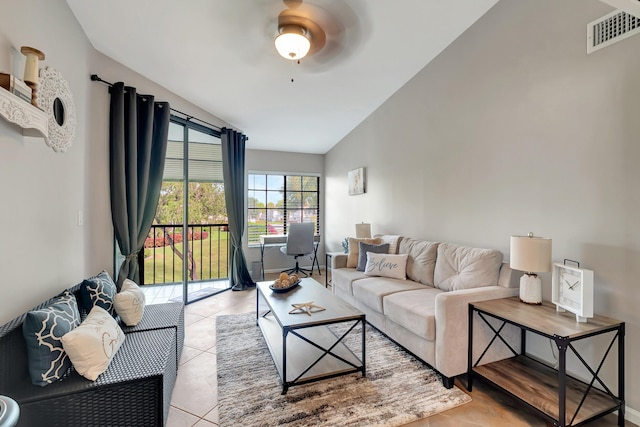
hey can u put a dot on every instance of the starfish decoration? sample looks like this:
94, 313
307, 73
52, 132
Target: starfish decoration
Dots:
305, 307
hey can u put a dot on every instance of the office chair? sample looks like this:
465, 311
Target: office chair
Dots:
299, 243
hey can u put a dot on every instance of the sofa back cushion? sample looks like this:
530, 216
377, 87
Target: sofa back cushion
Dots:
421, 261
462, 267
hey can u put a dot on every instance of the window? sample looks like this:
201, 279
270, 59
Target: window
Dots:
274, 201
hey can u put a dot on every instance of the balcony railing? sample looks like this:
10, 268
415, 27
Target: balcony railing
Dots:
163, 256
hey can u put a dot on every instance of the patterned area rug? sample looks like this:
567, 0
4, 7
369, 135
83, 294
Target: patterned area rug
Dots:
397, 389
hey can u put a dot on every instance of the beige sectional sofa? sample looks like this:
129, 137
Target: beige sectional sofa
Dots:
427, 313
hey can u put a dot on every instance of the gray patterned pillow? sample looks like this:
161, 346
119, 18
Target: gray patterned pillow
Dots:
43, 329
98, 290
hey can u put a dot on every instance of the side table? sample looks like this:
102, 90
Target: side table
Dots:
328, 259
563, 399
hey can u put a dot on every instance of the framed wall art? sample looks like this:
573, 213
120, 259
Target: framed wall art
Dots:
357, 181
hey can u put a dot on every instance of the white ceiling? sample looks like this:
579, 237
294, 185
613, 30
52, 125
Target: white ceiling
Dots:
219, 55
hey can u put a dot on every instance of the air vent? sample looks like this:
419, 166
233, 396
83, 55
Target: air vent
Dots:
611, 28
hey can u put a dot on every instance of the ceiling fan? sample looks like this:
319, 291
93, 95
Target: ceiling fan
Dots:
298, 34
319, 29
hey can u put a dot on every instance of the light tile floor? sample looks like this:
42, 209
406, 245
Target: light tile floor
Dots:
194, 401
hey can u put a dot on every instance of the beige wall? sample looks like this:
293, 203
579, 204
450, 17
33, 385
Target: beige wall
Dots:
513, 128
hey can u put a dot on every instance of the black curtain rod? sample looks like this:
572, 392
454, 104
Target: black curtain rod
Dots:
96, 78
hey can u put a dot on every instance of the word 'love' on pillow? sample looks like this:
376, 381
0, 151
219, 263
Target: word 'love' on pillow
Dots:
385, 265
43, 329
93, 344
129, 303
98, 290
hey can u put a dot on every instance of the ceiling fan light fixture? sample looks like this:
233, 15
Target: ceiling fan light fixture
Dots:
293, 42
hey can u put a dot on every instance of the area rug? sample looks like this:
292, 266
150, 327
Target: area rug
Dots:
397, 390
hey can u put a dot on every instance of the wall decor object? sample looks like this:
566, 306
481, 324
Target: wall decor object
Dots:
357, 181
14, 109
31, 69
56, 100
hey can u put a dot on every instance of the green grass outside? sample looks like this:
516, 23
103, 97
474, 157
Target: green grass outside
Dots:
166, 262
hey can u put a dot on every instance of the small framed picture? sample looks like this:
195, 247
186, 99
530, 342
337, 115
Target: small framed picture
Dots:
357, 181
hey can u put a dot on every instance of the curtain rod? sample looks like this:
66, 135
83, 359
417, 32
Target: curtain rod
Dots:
96, 78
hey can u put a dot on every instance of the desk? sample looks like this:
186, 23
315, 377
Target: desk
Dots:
277, 240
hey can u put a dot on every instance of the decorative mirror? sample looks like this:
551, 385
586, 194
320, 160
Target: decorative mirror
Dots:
55, 99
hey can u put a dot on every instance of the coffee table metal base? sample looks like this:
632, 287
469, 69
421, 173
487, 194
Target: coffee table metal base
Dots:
311, 352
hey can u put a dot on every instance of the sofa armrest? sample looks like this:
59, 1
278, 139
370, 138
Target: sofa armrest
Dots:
339, 261
452, 314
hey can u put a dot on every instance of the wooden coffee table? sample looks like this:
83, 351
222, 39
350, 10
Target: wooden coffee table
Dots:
302, 346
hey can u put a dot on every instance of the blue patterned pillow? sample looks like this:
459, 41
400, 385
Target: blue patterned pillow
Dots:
98, 290
42, 329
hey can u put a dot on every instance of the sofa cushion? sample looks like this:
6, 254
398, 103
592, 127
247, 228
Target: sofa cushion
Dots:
363, 248
462, 267
342, 280
386, 265
43, 329
414, 310
98, 291
422, 259
92, 345
354, 250
371, 290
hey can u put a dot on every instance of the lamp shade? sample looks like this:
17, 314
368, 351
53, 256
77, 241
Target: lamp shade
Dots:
292, 42
530, 254
363, 231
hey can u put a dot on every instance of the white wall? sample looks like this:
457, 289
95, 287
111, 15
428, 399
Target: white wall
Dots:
513, 128
283, 162
43, 250
42, 247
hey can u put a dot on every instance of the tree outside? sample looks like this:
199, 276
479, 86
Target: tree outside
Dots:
207, 256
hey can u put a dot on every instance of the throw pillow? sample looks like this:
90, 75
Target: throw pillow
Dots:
392, 240
364, 248
129, 303
43, 329
354, 250
93, 344
98, 290
385, 265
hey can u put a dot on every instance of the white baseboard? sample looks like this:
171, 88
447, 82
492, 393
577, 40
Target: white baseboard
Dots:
632, 415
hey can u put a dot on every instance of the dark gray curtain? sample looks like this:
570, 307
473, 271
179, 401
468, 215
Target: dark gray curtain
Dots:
233, 144
138, 131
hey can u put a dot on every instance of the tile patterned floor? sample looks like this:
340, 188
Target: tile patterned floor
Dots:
194, 400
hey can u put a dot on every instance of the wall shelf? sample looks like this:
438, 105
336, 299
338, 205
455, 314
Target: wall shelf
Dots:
32, 120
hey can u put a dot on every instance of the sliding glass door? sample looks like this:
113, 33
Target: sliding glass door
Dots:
187, 250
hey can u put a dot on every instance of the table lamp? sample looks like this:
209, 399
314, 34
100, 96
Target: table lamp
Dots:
363, 231
532, 255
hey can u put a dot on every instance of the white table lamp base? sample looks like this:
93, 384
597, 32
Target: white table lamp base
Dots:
530, 289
